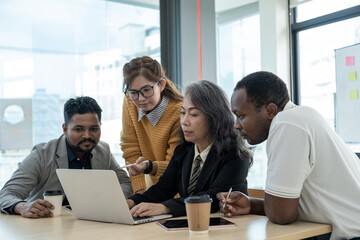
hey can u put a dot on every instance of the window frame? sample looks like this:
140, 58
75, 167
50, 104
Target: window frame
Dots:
170, 39
297, 27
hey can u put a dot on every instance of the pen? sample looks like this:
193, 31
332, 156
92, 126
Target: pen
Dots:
227, 197
129, 165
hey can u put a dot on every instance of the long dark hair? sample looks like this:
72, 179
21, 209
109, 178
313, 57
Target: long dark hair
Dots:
212, 101
153, 71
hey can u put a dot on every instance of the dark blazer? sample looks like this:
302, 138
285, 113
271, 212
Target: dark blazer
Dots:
218, 174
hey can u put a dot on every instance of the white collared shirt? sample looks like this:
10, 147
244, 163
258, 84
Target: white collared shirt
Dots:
203, 156
309, 161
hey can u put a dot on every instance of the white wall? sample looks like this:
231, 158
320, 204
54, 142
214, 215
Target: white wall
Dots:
274, 31
275, 38
189, 41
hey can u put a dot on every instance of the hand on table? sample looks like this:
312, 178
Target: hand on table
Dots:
37, 209
237, 203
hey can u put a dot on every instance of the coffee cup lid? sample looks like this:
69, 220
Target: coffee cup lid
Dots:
198, 199
52, 192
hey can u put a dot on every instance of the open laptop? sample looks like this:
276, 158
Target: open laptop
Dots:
97, 195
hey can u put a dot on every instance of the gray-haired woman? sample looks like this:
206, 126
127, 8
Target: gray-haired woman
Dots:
211, 158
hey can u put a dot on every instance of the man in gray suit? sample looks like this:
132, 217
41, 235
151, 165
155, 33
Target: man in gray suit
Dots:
78, 148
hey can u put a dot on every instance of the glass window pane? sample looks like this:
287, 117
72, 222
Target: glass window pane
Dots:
317, 8
238, 43
317, 68
62, 49
238, 51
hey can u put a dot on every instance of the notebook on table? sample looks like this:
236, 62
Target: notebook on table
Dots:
97, 195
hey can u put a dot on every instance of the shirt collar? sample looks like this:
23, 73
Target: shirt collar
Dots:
204, 153
155, 115
289, 105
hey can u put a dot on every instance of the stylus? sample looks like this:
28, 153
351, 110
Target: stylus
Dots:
227, 197
129, 165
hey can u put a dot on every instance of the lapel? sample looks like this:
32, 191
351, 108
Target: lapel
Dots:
61, 153
96, 162
211, 162
188, 158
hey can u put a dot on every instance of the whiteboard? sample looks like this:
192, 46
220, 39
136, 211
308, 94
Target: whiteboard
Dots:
347, 63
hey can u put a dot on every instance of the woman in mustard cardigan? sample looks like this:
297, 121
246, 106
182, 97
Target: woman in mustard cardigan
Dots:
150, 121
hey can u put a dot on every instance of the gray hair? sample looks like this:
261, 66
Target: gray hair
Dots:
212, 101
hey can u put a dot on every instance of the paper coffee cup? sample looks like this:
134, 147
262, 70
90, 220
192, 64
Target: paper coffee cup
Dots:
198, 213
55, 198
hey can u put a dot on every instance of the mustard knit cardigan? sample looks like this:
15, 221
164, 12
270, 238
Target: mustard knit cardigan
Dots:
153, 143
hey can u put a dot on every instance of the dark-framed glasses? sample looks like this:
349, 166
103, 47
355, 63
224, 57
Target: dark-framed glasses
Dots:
146, 92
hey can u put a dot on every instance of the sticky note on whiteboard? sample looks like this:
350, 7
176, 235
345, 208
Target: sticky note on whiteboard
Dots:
350, 61
354, 94
352, 76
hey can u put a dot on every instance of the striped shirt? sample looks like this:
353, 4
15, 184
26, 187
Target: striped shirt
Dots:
155, 115
203, 156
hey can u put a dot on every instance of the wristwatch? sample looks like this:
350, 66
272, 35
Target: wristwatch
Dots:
149, 169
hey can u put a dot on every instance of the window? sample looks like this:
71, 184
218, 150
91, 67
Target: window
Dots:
238, 44
316, 8
314, 51
238, 54
53, 50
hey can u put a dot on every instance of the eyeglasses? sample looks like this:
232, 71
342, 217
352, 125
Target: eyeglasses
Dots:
146, 92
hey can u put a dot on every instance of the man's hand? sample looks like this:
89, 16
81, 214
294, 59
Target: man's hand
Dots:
149, 209
36, 209
237, 203
139, 167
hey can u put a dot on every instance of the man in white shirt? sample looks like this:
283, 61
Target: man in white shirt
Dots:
312, 175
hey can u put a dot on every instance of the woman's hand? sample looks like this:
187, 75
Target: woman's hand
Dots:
130, 203
138, 167
149, 209
140, 191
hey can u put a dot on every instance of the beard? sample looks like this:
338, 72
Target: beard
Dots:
77, 148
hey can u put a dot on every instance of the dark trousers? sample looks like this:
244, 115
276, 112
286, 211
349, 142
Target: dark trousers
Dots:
320, 237
327, 237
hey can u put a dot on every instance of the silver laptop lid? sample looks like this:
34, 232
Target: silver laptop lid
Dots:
97, 195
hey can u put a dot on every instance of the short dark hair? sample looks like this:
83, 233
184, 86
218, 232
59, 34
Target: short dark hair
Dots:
263, 88
212, 101
80, 105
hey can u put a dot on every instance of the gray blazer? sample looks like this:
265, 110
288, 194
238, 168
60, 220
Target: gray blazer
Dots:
36, 172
